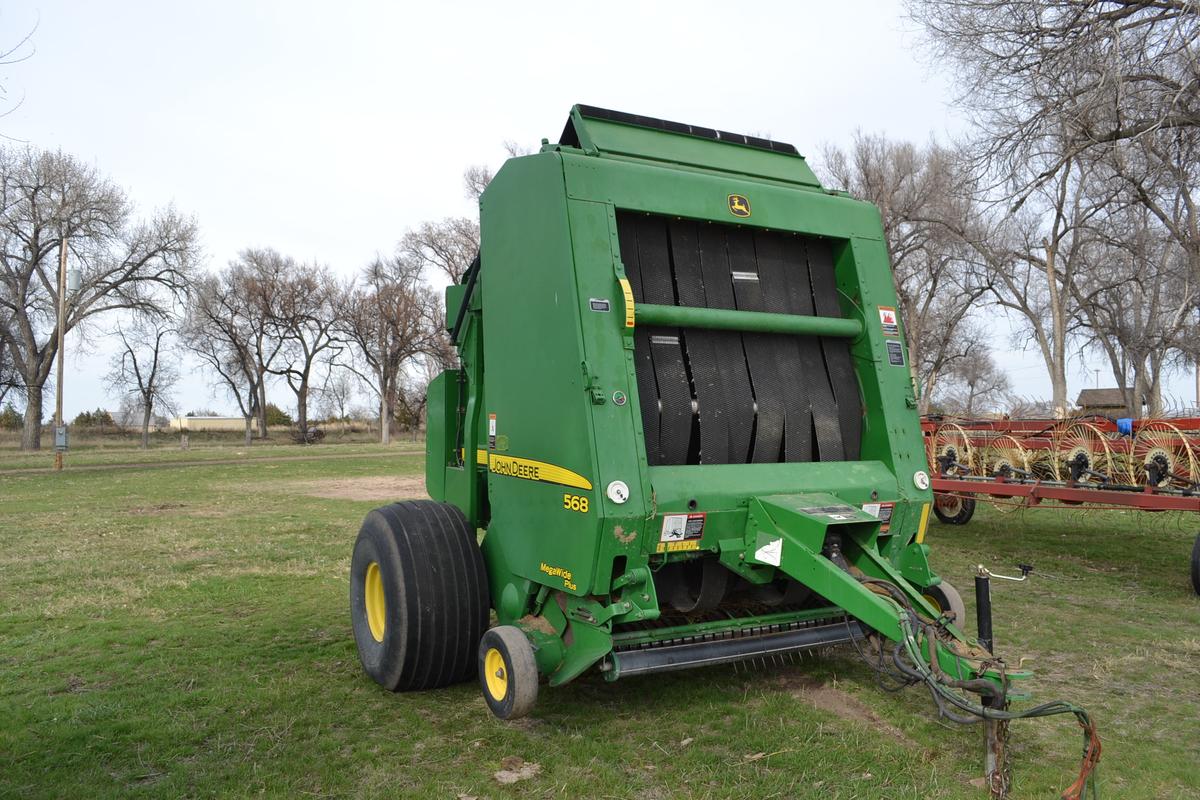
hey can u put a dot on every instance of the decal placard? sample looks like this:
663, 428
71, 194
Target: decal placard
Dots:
770, 553
895, 353
682, 527
888, 321
677, 547
599, 304
739, 206
881, 512
627, 291
531, 470
491, 431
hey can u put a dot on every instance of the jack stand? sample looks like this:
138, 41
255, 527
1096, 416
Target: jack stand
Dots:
993, 753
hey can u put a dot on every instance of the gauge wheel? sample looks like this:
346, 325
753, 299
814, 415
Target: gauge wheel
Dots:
508, 672
953, 509
944, 597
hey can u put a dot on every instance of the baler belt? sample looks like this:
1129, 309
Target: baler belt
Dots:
666, 348
762, 350
715, 407
777, 268
838, 366
724, 397
730, 368
642, 361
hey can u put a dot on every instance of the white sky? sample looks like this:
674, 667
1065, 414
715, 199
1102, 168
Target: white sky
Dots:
327, 130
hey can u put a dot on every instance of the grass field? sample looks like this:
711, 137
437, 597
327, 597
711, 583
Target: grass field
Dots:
182, 630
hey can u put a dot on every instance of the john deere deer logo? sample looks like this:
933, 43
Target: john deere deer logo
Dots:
739, 206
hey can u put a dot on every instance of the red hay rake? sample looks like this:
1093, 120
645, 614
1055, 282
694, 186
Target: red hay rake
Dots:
1147, 464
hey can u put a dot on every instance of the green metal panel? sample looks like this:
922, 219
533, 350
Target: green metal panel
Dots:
629, 140
551, 413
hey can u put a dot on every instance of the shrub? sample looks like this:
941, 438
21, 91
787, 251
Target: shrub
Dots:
277, 416
10, 418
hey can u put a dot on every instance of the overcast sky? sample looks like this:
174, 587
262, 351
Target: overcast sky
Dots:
327, 130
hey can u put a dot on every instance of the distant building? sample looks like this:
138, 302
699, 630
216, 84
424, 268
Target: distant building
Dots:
1110, 402
208, 424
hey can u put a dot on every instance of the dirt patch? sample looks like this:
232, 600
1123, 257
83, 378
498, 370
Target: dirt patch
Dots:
833, 700
373, 488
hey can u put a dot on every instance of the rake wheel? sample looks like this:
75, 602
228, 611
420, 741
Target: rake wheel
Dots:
1005, 457
1083, 454
952, 452
1163, 457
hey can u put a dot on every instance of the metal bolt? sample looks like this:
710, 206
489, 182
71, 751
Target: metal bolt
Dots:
500, 673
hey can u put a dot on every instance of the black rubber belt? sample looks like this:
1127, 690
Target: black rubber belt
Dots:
762, 350
842, 377
779, 259
730, 353
666, 348
643, 364
700, 347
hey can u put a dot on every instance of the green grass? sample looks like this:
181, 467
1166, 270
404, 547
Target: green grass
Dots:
184, 632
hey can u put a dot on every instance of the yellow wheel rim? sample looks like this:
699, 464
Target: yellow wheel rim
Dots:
933, 601
375, 602
495, 674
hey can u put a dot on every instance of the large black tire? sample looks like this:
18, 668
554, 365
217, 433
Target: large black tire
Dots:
508, 672
1196, 565
954, 510
945, 597
418, 595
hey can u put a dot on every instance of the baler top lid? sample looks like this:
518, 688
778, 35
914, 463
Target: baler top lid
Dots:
620, 133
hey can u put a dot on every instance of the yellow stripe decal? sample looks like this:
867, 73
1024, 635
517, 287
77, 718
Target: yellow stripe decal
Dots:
924, 523
628, 291
481, 457
532, 470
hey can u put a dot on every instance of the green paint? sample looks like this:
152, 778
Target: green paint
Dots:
550, 367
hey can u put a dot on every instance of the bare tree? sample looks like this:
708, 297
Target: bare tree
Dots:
923, 196
220, 329
336, 393
1058, 78
1138, 299
390, 319
974, 385
143, 368
477, 176
10, 379
446, 247
304, 308
124, 264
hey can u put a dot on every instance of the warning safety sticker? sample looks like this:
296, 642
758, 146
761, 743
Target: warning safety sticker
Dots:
682, 527
889, 321
895, 353
882, 512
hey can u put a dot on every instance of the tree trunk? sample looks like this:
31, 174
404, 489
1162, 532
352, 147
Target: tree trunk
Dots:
249, 429
385, 416
1058, 365
262, 405
302, 409
31, 434
146, 414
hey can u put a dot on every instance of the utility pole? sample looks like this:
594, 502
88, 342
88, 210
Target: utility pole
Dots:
60, 431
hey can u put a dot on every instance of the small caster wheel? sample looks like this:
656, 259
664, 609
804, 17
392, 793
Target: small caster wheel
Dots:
507, 672
953, 509
944, 597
